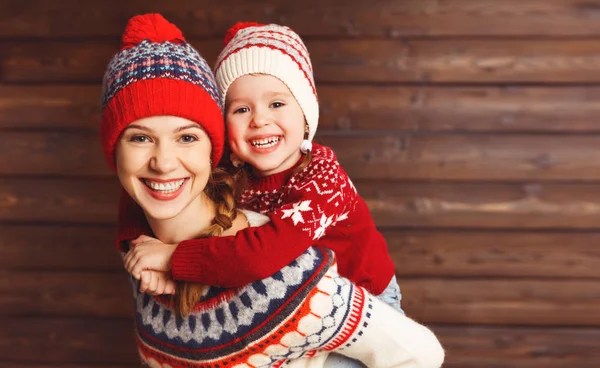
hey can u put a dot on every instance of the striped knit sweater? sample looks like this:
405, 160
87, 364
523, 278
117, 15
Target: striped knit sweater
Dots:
302, 310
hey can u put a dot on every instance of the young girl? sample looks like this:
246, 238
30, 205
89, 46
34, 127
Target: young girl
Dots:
265, 75
163, 133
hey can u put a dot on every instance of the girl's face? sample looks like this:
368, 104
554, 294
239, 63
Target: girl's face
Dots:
265, 124
163, 162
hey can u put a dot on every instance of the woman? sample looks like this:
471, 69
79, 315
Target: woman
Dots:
162, 131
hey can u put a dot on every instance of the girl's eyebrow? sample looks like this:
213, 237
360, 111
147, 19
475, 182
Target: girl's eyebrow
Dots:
277, 94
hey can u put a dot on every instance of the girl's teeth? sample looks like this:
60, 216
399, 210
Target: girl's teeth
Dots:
265, 143
164, 187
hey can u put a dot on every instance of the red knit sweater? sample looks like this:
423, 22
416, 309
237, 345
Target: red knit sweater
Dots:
317, 206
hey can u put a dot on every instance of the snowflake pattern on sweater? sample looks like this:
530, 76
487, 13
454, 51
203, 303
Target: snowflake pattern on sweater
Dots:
330, 194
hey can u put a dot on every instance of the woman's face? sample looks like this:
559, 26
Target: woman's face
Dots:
163, 162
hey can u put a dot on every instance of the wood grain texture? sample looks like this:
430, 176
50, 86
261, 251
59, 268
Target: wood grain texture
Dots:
514, 347
372, 61
56, 200
60, 247
393, 204
416, 253
349, 109
39, 341
312, 18
502, 302
66, 294
430, 300
402, 156
67, 341
501, 254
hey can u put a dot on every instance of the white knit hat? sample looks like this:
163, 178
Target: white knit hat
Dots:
252, 48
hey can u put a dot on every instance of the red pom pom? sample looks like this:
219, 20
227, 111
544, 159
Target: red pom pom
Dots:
231, 32
153, 27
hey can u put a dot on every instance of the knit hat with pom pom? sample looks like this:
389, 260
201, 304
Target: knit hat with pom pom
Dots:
252, 48
157, 73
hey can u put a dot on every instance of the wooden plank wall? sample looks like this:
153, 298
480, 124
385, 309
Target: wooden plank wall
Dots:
470, 126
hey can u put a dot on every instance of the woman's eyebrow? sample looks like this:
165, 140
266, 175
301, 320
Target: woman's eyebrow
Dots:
189, 126
135, 126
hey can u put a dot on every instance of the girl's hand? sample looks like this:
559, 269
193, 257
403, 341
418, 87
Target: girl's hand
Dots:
156, 283
146, 253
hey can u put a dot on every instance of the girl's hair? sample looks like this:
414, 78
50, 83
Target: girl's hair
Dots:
223, 189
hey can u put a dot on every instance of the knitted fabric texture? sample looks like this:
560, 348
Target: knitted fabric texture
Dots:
303, 309
316, 206
322, 201
157, 73
274, 50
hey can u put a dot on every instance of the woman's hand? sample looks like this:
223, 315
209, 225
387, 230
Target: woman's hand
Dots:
156, 283
146, 253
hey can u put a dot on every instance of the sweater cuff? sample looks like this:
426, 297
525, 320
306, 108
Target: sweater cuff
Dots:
185, 265
126, 235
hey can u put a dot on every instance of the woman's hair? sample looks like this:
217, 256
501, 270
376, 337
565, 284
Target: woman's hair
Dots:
223, 189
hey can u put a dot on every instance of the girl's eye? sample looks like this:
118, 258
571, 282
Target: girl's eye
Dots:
188, 138
277, 104
241, 110
139, 139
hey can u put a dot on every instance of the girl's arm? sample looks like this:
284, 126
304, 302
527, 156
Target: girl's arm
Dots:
312, 206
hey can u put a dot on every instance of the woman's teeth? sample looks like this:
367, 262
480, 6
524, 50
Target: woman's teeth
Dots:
265, 142
164, 187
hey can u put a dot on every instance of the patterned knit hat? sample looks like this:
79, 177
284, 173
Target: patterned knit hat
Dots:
252, 48
157, 73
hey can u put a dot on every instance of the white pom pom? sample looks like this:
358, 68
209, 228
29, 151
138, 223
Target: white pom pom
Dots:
306, 146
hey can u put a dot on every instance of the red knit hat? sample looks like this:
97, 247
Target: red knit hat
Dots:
157, 73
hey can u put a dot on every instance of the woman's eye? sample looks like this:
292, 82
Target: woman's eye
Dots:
188, 139
277, 104
139, 139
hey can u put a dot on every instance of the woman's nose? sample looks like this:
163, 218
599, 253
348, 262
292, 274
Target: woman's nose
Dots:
164, 159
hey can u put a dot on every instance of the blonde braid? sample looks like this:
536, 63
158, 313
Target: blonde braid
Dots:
222, 189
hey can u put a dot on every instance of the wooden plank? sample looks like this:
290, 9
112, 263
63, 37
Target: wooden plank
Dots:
439, 253
91, 365
71, 341
456, 109
471, 205
505, 347
61, 153
38, 18
456, 61
431, 300
399, 156
468, 157
50, 107
84, 248
363, 60
66, 294
503, 254
54, 153
56, 201
393, 204
354, 108
502, 302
